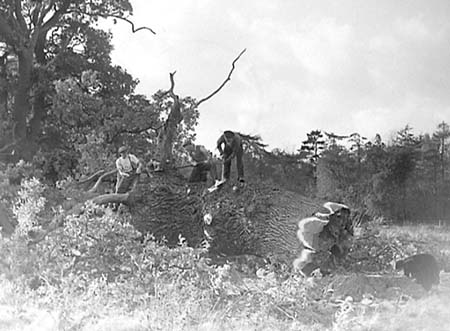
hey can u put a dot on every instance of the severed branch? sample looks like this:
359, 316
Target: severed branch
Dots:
78, 209
225, 81
99, 180
172, 85
111, 198
91, 177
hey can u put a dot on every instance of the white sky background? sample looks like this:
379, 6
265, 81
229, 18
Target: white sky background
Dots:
343, 66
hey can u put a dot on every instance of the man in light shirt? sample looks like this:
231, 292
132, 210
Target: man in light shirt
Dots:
129, 167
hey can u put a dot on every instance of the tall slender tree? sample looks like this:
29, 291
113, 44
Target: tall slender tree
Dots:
440, 137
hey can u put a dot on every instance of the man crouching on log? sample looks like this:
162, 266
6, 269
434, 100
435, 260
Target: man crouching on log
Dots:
128, 170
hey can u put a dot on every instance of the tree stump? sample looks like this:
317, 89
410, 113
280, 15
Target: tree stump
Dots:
263, 220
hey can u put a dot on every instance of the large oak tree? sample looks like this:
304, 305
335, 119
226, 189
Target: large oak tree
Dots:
37, 35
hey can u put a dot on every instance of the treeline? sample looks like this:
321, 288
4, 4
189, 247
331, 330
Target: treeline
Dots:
405, 179
65, 108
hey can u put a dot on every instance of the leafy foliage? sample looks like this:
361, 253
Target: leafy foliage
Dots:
403, 179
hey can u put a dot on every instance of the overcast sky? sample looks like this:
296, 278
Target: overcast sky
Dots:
369, 66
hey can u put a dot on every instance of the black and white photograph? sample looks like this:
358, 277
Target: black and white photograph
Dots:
200, 165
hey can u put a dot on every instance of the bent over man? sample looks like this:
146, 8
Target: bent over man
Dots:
232, 147
202, 163
128, 170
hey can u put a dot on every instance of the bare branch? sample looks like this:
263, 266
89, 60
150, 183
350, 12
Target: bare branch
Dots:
172, 83
133, 29
225, 81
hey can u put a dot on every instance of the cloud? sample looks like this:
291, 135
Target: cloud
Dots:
412, 28
340, 66
322, 46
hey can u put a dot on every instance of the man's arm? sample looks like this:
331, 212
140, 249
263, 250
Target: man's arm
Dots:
219, 144
140, 166
120, 168
138, 162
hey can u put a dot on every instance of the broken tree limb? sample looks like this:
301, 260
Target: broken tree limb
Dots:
111, 198
91, 177
78, 209
172, 85
133, 29
225, 81
100, 179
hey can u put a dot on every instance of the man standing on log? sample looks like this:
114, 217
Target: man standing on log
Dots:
232, 142
129, 167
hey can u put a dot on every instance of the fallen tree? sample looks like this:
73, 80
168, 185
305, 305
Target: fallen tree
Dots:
259, 219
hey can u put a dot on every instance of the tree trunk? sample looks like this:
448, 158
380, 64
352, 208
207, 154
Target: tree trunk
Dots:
3, 90
21, 105
39, 105
168, 134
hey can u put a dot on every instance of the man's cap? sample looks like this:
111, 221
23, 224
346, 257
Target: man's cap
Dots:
123, 149
228, 134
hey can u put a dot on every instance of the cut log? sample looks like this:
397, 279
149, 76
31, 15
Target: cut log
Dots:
101, 178
105, 199
91, 177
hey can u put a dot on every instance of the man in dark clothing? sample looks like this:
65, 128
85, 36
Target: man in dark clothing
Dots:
202, 163
232, 148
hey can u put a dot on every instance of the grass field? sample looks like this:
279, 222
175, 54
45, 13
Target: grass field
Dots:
230, 302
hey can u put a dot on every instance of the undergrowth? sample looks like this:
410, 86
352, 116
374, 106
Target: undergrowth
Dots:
96, 272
